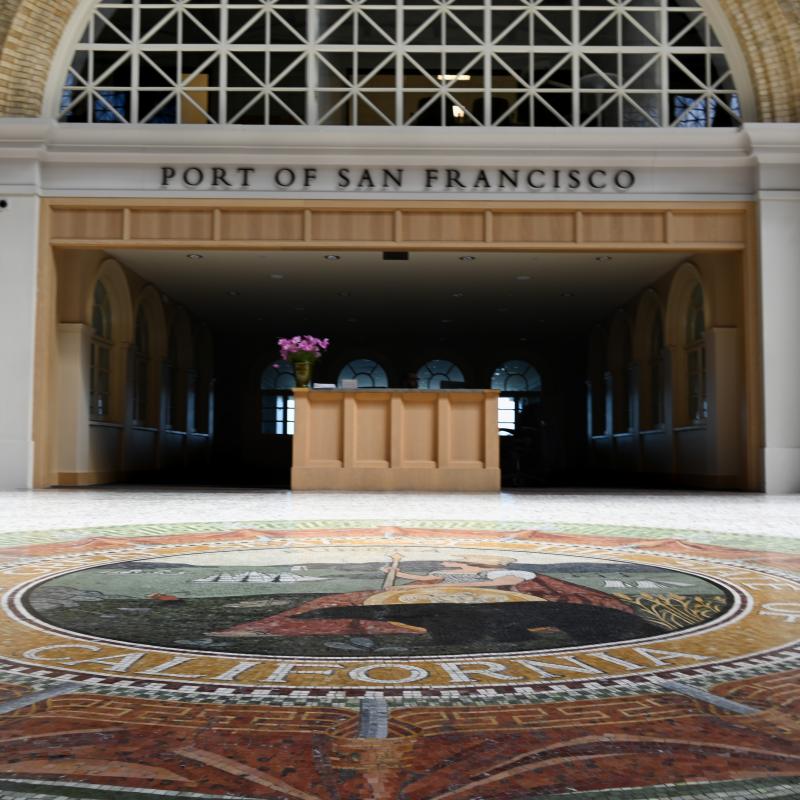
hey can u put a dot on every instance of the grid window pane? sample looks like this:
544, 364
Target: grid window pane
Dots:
431, 374
277, 402
459, 63
369, 374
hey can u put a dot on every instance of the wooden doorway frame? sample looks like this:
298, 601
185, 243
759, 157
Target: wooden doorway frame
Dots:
480, 226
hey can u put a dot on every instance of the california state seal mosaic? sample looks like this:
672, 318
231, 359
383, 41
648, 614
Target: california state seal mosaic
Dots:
347, 610
422, 660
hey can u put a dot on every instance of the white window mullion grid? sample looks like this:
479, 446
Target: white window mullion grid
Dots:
487, 64
354, 93
268, 102
707, 94
399, 66
135, 65
90, 84
617, 101
222, 66
312, 64
179, 70
666, 99
575, 63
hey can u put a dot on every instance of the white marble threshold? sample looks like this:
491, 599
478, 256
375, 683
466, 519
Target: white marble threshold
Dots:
724, 512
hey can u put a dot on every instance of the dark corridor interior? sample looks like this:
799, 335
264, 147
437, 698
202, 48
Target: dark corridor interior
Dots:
519, 322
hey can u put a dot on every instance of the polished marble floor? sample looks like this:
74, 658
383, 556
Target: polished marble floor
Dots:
184, 643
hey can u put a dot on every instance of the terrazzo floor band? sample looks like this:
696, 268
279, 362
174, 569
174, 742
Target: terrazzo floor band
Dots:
402, 655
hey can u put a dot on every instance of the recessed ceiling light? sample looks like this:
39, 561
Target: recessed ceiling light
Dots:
523, 277
467, 258
276, 276
233, 293
194, 256
602, 258
331, 257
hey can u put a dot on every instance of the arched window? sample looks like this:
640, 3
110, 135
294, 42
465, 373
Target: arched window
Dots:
369, 374
433, 373
348, 62
277, 400
696, 357
516, 376
520, 385
141, 371
655, 368
621, 382
597, 385
100, 357
172, 382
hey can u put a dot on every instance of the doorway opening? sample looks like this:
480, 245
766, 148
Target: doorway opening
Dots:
601, 382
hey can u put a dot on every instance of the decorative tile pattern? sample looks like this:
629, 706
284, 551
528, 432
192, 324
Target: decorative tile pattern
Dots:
699, 701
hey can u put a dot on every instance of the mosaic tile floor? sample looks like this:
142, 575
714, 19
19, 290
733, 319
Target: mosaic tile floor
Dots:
399, 656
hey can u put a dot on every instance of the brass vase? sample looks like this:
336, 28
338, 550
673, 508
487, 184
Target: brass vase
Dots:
302, 372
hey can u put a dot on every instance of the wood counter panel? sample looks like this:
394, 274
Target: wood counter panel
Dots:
325, 426
261, 226
182, 224
352, 226
362, 224
87, 224
396, 439
418, 414
372, 424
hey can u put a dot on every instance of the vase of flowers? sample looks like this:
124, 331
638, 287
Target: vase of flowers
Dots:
302, 352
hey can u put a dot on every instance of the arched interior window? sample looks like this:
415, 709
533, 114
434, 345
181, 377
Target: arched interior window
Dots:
100, 357
438, 371
277, 400
656, 371
141, 372
520, 386
172, 382
622, 384
516, 376
597, 385
637, 63
696, 357
369, 374
203, 381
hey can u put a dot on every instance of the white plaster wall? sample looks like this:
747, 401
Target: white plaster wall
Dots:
19, 226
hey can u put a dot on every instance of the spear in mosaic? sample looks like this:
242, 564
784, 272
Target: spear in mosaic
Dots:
391, 575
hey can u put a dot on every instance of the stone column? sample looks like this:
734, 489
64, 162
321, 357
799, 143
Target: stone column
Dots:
777, 151
19, 234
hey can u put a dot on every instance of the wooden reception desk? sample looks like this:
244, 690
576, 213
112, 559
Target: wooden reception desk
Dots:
386, 439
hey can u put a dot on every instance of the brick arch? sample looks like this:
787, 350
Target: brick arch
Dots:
768, 33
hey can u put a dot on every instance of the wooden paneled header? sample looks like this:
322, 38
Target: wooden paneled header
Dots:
421, 225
